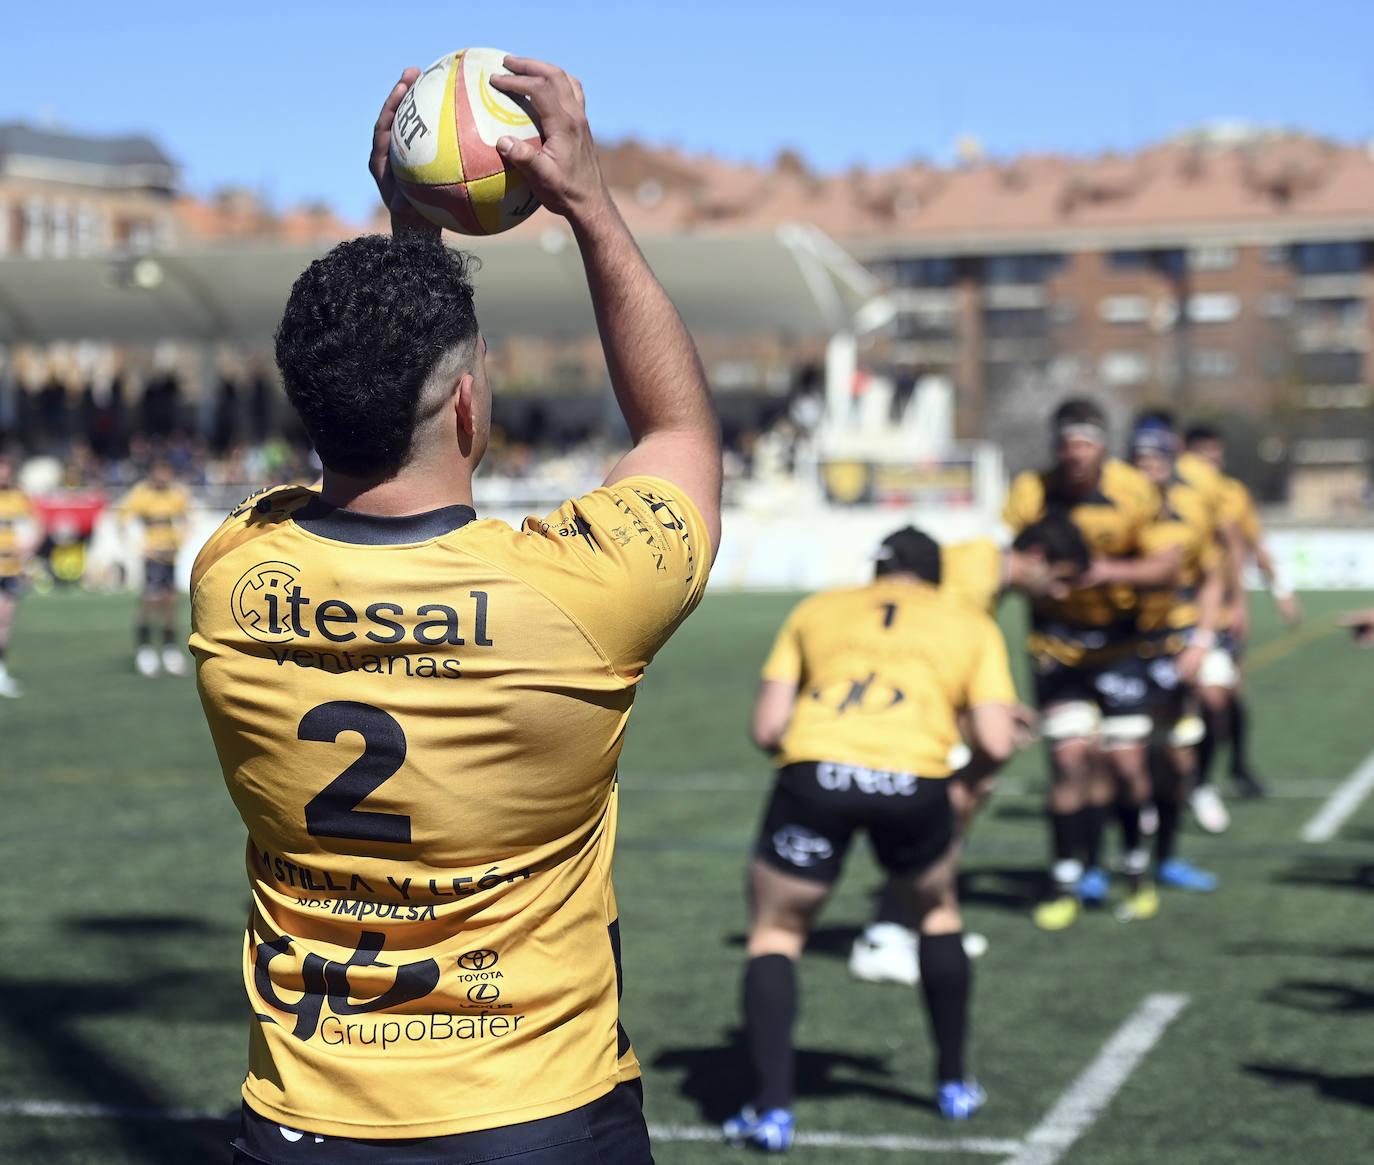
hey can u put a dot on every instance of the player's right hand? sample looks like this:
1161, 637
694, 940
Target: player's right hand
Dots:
403, 215
564, 172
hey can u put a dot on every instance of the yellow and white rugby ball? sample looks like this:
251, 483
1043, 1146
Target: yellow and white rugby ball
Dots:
443, 146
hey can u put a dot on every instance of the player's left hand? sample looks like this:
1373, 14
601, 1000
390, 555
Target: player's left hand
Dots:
403, 215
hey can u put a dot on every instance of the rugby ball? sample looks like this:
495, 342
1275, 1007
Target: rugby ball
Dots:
443, 145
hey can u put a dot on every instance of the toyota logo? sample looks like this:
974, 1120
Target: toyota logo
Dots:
477, 960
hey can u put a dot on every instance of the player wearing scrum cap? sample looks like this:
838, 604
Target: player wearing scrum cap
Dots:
1177, 626
1223, 698
859, 703
1043, 560
1094, 704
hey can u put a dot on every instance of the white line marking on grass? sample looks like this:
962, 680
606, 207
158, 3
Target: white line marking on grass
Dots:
892, 1142
1076, 1110
61, 1108
1343, 802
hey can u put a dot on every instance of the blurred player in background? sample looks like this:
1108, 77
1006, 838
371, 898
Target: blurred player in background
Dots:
433, 953
16, 513
160, 504
1090, 686
1043, 561
1177, 625
1225, 710
859, 703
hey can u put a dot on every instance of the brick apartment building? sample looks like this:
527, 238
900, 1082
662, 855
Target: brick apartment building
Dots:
1228, 273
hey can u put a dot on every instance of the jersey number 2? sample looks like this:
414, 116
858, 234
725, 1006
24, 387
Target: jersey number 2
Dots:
333, 811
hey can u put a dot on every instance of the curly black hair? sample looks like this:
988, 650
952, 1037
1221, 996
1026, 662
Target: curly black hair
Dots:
1058, 537
364, 328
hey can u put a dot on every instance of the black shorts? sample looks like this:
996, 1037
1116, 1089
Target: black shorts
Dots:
1121, 687
11, 585
158, 577
816, 807
608, 1131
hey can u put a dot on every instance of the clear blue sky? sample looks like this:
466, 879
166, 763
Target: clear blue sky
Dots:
281, 96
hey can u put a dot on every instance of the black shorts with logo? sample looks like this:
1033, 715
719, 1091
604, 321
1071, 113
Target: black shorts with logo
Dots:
608, 1131
158, 577
1127, 686
816, 807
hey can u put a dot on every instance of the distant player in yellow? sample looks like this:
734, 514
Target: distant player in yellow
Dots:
1224, 706
16, 513
1090, 685
419, 712
160, 505
860, 703
1044, 559
1177, 626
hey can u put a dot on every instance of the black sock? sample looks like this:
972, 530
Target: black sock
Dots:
1066, 830
946, 980
770, 1010
1240, 761
1207, 748
144, 634
169, 636
1094, 819
1129, 816
1168, 829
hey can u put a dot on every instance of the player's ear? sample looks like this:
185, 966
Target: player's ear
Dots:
462, 402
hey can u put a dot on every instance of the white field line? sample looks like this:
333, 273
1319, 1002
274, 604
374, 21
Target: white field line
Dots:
1342, 803
1083, 1102
892, 1142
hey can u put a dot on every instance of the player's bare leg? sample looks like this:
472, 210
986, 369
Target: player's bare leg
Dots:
1130, 767
8, 686
1073, 762
173, 658
147, 659
946, 979
782, 909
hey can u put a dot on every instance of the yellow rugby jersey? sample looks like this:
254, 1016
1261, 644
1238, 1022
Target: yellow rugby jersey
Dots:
1207, 480
881, 671
1239, 507
163, 514
1092, 622
15, 508
1186, 521
419, 721
973, 571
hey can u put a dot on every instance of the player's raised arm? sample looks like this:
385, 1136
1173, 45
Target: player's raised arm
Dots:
654, 367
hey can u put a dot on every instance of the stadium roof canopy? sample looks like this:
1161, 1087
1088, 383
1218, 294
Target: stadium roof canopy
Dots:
792, 279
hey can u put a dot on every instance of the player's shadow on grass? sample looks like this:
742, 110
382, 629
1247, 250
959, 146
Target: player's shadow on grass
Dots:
1331, 873
1324, 998
1351, 1089
1269, 947
1012, 888
719, 1078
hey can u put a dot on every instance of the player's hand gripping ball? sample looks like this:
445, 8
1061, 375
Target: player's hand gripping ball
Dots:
443, 146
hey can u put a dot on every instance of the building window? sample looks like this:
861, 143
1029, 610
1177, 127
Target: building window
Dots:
1330, 367
1213, 257
1120, 368
1019, 269
1127, 260
929, 272
1344, 258
1277, 255
1124, 309
1213, 308
1213, 364
1015, 323
1275, 305
1063, 312
924, 324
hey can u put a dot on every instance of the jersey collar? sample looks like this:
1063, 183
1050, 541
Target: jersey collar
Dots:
340, 525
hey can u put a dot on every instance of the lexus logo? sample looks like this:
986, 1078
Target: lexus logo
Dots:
484, 993
477, 960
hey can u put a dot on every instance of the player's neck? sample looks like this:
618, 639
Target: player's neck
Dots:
415, 490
